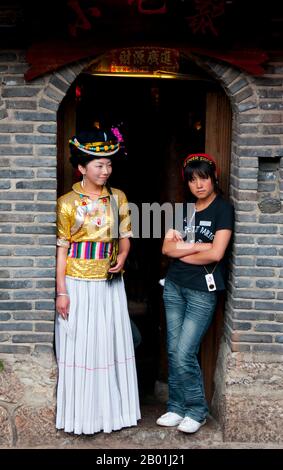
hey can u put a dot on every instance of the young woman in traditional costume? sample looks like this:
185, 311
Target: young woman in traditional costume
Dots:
97, 381
195, 276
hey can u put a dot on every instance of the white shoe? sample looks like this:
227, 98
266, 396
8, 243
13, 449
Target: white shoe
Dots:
190, 425
169, 419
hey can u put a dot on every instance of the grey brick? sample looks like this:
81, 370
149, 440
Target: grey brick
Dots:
4, 296
253, 294
241, 217
242, 304
243, 95
45, 284
47, 128
36, 162
270, 241
4, 273
271, 106
45, 262
247, 106
4, 316
18, 195
279, 339
5, 184
48, 104
6, 228
5, 251
269, 327
34, 116
258, 250
48, 240
68, 74
35, 251
3, 114
253, 315
270, 262
269, 306
13, 349
271, 93
15, 305
231, 76
35, 139
249, 152
5, 139
32, 295
35, 207
238, 85
49, 218
47, 173
16, 217
16, 174
36, 229
258, 141
5, 207
256, 229
272, 130
32, 273
43, 184
60, 84
55, 94
269, 283
44, 327
43, 349
47, 196
22, 315
12, 150
15, 262
273, 348
244, 261
16, 128
240, 347
8, 326
15, 284
47, 151
21, 104
20, 92
241, 326
253, 338
4, 337
32, 338
12, 80
256, 272
45, 305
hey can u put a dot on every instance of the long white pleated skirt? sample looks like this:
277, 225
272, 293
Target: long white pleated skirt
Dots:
97, 383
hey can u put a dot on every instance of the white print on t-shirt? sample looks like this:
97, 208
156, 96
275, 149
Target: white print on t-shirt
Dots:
205, 232
205, 223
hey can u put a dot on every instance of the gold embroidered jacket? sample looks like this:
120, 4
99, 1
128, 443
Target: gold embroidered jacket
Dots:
79, 219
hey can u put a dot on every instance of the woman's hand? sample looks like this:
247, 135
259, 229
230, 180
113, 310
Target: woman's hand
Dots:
121, 258
63, 306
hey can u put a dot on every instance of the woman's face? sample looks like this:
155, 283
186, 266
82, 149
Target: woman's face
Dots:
97, 171
201, 187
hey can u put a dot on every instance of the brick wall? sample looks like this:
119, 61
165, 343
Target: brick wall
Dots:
254, 309
254, 319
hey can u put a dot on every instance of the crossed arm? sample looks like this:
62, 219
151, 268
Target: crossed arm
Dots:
196, 253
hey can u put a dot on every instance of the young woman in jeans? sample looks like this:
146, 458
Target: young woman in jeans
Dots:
196, 274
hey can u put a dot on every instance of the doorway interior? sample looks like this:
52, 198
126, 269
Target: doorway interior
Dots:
161, 121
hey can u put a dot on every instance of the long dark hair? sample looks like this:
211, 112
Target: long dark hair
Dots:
202, 169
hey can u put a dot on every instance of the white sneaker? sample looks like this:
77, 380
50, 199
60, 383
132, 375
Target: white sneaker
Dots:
169, 419
190, 425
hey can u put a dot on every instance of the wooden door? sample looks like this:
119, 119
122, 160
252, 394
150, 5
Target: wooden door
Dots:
217, 143
66, 128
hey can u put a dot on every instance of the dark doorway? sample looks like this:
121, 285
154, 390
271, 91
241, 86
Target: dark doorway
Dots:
162, 121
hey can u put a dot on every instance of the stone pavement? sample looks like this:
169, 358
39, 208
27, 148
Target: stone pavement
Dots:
147, 435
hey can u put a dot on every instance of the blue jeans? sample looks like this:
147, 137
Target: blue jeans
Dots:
188, 316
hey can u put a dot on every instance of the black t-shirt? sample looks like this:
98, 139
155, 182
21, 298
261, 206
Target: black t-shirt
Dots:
218, 215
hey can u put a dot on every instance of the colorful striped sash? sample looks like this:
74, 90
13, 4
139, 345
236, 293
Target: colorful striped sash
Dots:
90, 250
